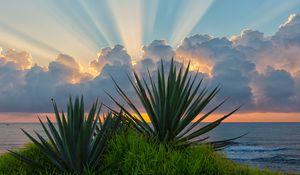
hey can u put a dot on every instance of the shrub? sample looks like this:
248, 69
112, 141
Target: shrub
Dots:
79, 142
172, 103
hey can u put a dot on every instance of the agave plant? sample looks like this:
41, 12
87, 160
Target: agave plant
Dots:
173, 104
78, 142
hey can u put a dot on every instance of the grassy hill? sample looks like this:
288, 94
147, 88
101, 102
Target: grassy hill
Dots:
130, 153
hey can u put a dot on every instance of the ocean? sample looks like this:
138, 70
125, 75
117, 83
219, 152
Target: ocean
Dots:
274, 146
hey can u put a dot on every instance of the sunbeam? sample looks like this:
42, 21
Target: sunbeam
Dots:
7, 38
188, 16
149, 15
52, 28
272, 12
80, 22
22, 41
96, 23
128, 17
29, 38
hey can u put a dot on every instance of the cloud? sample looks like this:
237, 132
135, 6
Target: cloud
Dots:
11, 77
230, 68
251, 39
22, 59
289, 31
111, 56
158, 49
253, 69
275, 91
280, 51
193, 50
31, 89
261, 72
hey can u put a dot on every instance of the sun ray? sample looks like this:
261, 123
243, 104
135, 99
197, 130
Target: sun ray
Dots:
79, 22
149, 16
55, 28
189, 15
28, 38
11, 41
128, 17
272, 12
100, 26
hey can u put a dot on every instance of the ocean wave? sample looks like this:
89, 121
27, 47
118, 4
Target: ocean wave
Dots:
286, 159
242, 148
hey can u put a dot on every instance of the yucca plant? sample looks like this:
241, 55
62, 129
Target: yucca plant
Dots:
173, 104
78, 141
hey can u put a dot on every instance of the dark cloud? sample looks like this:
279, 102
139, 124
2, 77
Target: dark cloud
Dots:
276, 90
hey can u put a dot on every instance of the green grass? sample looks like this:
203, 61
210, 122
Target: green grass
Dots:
9, 165
130, 153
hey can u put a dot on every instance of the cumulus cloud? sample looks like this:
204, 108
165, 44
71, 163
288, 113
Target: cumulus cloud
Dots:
21, 59
110, 56
261, 72
251, 65
230, 68
289, 31
157, 50
31, 89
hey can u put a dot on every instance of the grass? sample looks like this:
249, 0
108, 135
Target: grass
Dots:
131, 153
12, 166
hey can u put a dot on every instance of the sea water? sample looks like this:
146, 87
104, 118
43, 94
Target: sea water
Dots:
274, 146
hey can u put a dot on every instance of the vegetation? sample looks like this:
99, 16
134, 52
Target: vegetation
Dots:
172, 103
10, 165
77, 144
131, 153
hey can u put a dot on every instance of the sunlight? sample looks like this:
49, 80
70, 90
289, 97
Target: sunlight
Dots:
96, 23
21, 44
133, 62
272, 12
246, 117
93, 72
128, 17
149, 16
200, 64
188, 16
203, 68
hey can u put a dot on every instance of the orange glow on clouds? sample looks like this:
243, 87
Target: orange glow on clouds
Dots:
238, 117
201, 64
204, 68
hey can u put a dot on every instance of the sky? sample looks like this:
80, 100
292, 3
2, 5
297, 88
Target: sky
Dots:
57, 48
